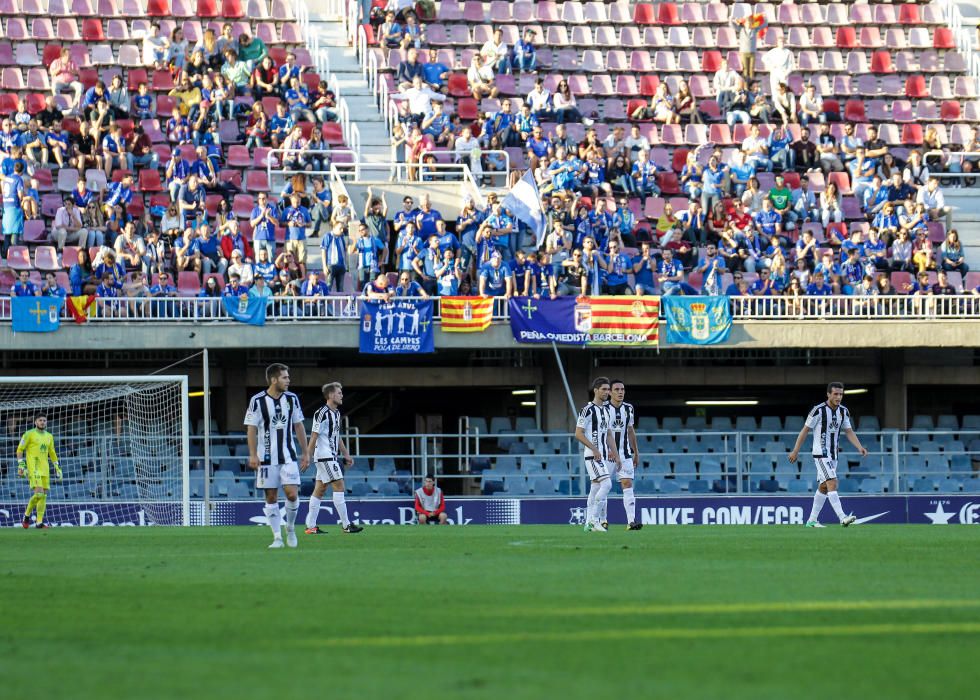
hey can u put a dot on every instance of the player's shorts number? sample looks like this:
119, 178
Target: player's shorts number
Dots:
328, 470
272, 477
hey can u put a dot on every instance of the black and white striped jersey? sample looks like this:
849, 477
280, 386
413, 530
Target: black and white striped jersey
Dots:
274, 419
620, 420
326, 424
827, 424
594, 420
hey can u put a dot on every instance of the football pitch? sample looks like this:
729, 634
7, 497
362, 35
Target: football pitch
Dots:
491, 612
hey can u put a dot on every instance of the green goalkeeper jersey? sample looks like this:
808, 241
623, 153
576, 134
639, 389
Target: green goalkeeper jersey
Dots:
37, 446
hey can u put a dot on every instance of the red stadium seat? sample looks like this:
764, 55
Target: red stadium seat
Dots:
854, 111
915, 86
668, 13
832, 107
242, 205
911, 134
158, 8
188, 283
942, 38
69, 256
232, 9
949, 111
333, 134
150, 180
846, 38
458, 86
163, 81
137, 76
909, 14
711, 61
842, 180
881, 62
51, 53
649, 84
256, 181
92, 30
644, 13
238, 157
634, 105
207, 9
34, 232
467, 109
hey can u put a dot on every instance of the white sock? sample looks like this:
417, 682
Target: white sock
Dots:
313, 512
590, 510
629, 503
602, 496
340, 505
834, 499
819, 498
292, 508
271, 511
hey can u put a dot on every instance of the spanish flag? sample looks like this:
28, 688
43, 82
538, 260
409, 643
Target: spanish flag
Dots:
466, 314
81, 308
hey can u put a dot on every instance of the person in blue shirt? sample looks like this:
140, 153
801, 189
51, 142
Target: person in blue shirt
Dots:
212, 259
711, 267
437, 125
296, 218
368, 250
765, 286
434, 73
12, 187
449, 273
191, 202
264, 267
740, 173
407, 287
118, 194
499, 228
263, 220
178, 170
407, 246
617, 265
234, 288
520, 271
51, 288
644, 267
289, 70
313, 286
862, 170
425, 220
768, 222
467, 225
852, 244
333, 257
670, 274
495, 278
23, 287
852, 270
280, 123
143, 107
114, 153
425, 264
297, 96
817, 288
874, 197
107, 288
713, 179
542, 279
116, 271
524, 57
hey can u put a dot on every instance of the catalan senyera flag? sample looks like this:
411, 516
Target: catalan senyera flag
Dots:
466, 314
81, 308
623, 321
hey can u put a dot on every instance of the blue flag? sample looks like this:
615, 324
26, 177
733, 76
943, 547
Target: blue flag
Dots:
36, 314
401, 326
250, 310
547, 320
697, 320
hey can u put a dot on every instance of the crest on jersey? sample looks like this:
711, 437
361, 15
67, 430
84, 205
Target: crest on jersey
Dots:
576, 516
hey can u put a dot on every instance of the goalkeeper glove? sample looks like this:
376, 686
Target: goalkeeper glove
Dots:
21, 466
57, 470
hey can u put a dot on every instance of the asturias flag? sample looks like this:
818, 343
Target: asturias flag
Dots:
35, 314
245, 309
465, 314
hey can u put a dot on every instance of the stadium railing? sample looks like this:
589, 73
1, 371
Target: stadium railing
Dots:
346, 308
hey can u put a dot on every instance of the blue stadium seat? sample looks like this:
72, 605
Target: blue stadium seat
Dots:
960, 464
537, 444
671, 424
922, 422
525, 424
556, 464
384, 465
516, 485
798, 486
712, 443
923, 485
710, 469
947, 422
872, 485
768, 485
360, 489
532, 465
492, 486
389, 489
849, 485
506, 464
745, 424
499, 424
478, 423
950, 484
698, 486
771, 424
479, 464
669, 486
696, 423
518, 448
971, 422
793, 424
971, 485
721, 423
361, 464
786, 471
239, 490
506, 438
645, 486
868, 422
657, 464
542, 486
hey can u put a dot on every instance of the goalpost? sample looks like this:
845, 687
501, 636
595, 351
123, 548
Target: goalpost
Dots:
122, 444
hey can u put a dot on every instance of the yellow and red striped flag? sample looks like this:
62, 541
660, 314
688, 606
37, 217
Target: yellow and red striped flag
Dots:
624, 321
81, 308
466, 314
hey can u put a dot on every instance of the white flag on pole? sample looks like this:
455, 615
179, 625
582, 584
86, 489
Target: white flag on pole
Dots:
524, 202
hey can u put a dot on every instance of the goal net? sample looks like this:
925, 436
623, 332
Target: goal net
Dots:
122, 444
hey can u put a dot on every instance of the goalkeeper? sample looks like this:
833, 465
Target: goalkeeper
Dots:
35, 448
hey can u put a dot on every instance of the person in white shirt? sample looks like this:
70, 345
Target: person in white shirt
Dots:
725, 84
480, 76
636, 142
496, 53
539, 100
780, 62
68, 226
932, 197
155, 48
419, 97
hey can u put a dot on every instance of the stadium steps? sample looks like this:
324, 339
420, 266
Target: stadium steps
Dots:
375, 144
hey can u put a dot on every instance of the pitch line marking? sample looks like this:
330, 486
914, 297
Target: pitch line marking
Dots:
655, 633
740, 608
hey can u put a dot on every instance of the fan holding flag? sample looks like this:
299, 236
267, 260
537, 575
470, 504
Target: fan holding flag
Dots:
524, 204
749, 29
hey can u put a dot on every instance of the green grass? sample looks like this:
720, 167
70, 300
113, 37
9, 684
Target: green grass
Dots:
491, 612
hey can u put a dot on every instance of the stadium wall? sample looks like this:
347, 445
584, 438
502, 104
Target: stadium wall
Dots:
714, 510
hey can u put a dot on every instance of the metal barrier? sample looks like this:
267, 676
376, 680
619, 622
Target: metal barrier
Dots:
964, 35
898, 307
273, 160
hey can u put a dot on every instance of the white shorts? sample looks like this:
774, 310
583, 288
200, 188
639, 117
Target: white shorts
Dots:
596, 469
620, 473
826, 469
276, 475
328, 470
